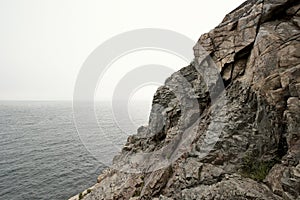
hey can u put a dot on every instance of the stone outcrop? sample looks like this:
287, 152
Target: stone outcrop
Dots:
234, 136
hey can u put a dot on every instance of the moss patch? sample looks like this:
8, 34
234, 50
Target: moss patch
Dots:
256, 169
80, 196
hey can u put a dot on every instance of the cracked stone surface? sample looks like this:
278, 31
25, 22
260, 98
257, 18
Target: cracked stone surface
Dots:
256, 49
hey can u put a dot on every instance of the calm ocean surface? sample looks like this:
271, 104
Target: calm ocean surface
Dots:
41, 154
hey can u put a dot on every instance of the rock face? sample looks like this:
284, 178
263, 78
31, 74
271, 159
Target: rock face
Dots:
239, 143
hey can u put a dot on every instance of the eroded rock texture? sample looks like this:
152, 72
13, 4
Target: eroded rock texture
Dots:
256, 152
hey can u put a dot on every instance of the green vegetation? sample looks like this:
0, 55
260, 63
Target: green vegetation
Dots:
137, 193
80, 196
88, 191
256, 169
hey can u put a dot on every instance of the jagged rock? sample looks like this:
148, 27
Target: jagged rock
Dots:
204, 142
234, 187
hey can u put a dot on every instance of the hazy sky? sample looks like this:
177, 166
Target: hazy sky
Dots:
43, 43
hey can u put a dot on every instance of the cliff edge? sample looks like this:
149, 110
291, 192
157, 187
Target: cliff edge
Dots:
251, 124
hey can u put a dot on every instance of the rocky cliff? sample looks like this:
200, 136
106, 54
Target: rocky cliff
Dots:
233, 136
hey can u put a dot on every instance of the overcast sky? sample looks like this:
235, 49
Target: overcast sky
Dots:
43, 43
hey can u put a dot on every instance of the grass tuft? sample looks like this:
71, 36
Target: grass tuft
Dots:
256, 169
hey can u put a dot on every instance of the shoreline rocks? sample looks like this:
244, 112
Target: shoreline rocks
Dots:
253, 126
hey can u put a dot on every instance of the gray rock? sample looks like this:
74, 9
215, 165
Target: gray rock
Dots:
210, 143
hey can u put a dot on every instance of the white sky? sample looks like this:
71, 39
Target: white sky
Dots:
43, 43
